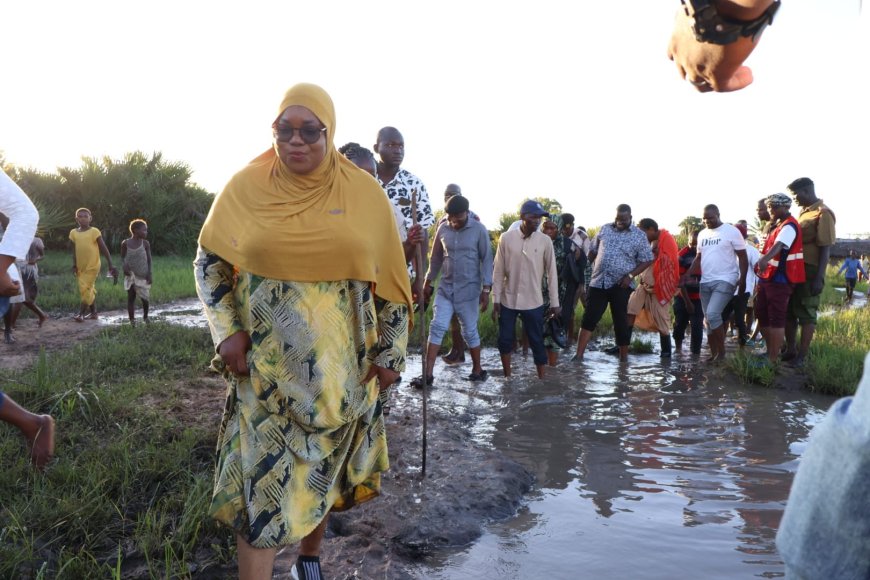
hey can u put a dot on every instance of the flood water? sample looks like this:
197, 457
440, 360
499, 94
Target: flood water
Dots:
643, 470
186, 312
648, 469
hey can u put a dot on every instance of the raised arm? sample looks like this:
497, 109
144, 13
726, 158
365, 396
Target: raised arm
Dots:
716, 63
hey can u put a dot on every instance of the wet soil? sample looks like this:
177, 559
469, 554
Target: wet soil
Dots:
466, 485
54, 335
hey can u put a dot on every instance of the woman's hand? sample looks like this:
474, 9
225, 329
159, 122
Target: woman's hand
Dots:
386, 377
233, 351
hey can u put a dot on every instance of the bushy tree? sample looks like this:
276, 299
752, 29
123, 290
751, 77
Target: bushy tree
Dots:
118, 191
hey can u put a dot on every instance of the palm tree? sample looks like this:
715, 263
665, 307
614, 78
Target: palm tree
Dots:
689, 225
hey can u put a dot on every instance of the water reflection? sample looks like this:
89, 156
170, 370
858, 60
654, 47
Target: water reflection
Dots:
187, 312
643, 470
634, 462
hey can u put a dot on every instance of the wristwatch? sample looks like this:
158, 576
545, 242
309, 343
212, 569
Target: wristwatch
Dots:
709, 26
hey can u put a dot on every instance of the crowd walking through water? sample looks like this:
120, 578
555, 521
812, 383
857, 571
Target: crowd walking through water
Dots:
310, 345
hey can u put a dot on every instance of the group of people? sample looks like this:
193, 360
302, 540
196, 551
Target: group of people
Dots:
309, 343
638, 272
88, 245
718, 274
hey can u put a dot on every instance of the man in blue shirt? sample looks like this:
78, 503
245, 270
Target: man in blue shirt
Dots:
851, 265
620, 252
462, 249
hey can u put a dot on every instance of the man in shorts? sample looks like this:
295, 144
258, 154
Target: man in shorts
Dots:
817, 223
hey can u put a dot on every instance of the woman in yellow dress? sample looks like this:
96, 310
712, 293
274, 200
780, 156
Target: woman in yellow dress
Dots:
87, 245
302, 276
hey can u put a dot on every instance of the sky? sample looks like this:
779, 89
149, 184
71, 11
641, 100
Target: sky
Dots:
572, 101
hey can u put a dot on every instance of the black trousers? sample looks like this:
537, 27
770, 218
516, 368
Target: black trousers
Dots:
737, 306
597, 300
682, 319
568, 302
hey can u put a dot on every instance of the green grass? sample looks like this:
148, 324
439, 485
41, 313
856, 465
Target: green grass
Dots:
641, 346
837, 352
750, 370
842, 339
131, 483
59, 293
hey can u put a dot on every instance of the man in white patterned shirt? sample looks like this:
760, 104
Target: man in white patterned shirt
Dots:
400, 185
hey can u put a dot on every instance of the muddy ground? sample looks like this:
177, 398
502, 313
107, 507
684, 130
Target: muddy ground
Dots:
466, 486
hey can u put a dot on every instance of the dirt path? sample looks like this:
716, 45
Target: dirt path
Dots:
56, 334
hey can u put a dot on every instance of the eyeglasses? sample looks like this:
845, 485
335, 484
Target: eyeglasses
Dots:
309, 135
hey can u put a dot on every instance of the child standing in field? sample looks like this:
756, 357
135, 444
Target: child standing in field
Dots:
136, 256
88, 244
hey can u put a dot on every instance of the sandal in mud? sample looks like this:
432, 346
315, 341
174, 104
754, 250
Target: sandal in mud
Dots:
78, 318
417, 382
477, 377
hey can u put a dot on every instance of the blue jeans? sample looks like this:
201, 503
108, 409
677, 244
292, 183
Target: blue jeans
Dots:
715, 296
533, 324
467, 312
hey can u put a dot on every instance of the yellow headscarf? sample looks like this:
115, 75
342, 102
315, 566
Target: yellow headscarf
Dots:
334, 223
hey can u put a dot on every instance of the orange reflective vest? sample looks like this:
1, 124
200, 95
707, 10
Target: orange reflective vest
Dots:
794, 256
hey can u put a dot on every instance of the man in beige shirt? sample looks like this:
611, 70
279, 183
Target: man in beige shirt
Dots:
524, 256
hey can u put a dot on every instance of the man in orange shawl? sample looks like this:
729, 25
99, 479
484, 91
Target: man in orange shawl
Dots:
648, 306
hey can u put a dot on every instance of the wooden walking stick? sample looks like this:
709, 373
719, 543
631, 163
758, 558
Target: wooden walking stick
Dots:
421, 302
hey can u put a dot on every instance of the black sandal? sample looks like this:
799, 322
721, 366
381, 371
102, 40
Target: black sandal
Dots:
417, 382
479, 377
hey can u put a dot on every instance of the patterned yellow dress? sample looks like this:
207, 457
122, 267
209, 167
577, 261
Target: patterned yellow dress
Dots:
87, 262
301, 435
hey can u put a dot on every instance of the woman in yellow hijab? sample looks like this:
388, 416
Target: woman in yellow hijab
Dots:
301, 273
